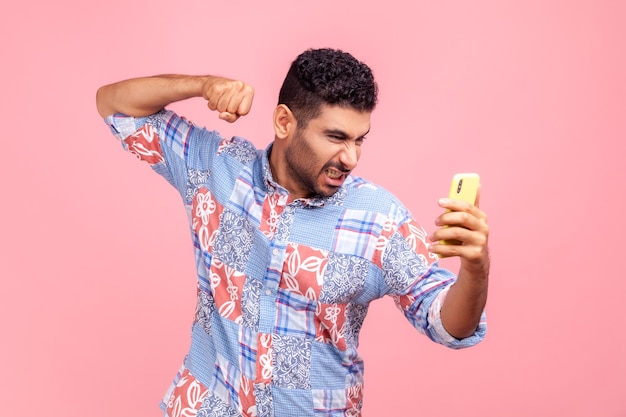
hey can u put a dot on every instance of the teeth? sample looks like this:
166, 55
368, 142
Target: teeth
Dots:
333, 174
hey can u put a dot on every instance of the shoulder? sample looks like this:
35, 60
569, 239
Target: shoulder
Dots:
239, 148
362, 194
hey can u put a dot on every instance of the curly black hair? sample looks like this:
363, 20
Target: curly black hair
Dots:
327, 76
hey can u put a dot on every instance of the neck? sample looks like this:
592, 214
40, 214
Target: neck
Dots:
276, 158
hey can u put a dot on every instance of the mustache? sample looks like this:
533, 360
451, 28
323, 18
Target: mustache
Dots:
337, 166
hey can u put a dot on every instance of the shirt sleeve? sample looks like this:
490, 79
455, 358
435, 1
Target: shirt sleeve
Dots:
419, 285
438, 333
170, 144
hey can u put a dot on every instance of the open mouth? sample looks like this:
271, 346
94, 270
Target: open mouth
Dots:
335, 178
335, 175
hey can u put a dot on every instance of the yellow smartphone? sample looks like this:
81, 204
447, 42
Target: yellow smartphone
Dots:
463, 187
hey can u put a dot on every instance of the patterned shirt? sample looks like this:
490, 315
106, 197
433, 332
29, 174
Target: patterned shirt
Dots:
283, 284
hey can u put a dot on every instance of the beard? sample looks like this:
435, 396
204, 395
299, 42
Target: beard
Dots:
304, 167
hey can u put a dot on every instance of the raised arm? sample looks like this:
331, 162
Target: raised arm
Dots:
147, 95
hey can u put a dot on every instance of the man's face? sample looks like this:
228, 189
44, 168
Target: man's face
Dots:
320, 156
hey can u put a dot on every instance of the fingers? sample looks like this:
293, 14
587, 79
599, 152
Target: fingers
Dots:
465, 219
458, 241
229, 117
458, 206
245, 103
464, 228
235, 100
230, 98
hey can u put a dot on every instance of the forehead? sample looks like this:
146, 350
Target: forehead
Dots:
346, 119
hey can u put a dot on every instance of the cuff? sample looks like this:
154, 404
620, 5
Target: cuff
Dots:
439, 334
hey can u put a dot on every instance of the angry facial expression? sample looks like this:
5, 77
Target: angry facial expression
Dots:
321, 155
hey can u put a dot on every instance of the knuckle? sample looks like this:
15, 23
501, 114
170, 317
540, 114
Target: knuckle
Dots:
236, 85
457, 232
475, 253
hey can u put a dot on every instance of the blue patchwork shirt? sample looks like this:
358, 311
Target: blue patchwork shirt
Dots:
283, 284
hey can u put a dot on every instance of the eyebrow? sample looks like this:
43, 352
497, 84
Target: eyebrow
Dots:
342, 134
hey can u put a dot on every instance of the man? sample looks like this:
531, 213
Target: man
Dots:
290, 248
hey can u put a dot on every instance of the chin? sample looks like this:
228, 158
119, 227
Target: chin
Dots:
327, 192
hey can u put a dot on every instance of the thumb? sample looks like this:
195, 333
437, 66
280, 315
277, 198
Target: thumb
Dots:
229, 117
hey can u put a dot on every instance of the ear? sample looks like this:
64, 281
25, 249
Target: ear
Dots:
284, 122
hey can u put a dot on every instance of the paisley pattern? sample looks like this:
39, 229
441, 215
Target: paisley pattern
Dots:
401, 265
285, 223
204, 310
345, 278
156, 120
196, 178
250, 303
264, 403
292, 362
282, 282
233, 241
239, 148
355, 315
213, 406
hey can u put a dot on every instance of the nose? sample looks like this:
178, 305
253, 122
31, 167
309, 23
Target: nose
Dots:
350, 156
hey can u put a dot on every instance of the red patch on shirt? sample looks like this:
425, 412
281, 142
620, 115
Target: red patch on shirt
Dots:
145, 145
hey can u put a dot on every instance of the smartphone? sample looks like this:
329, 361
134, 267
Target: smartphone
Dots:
463, 187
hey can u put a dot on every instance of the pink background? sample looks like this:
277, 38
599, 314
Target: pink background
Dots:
97, 276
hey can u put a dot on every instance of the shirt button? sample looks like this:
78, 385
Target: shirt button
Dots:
275, 252
268, 292
261, 385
